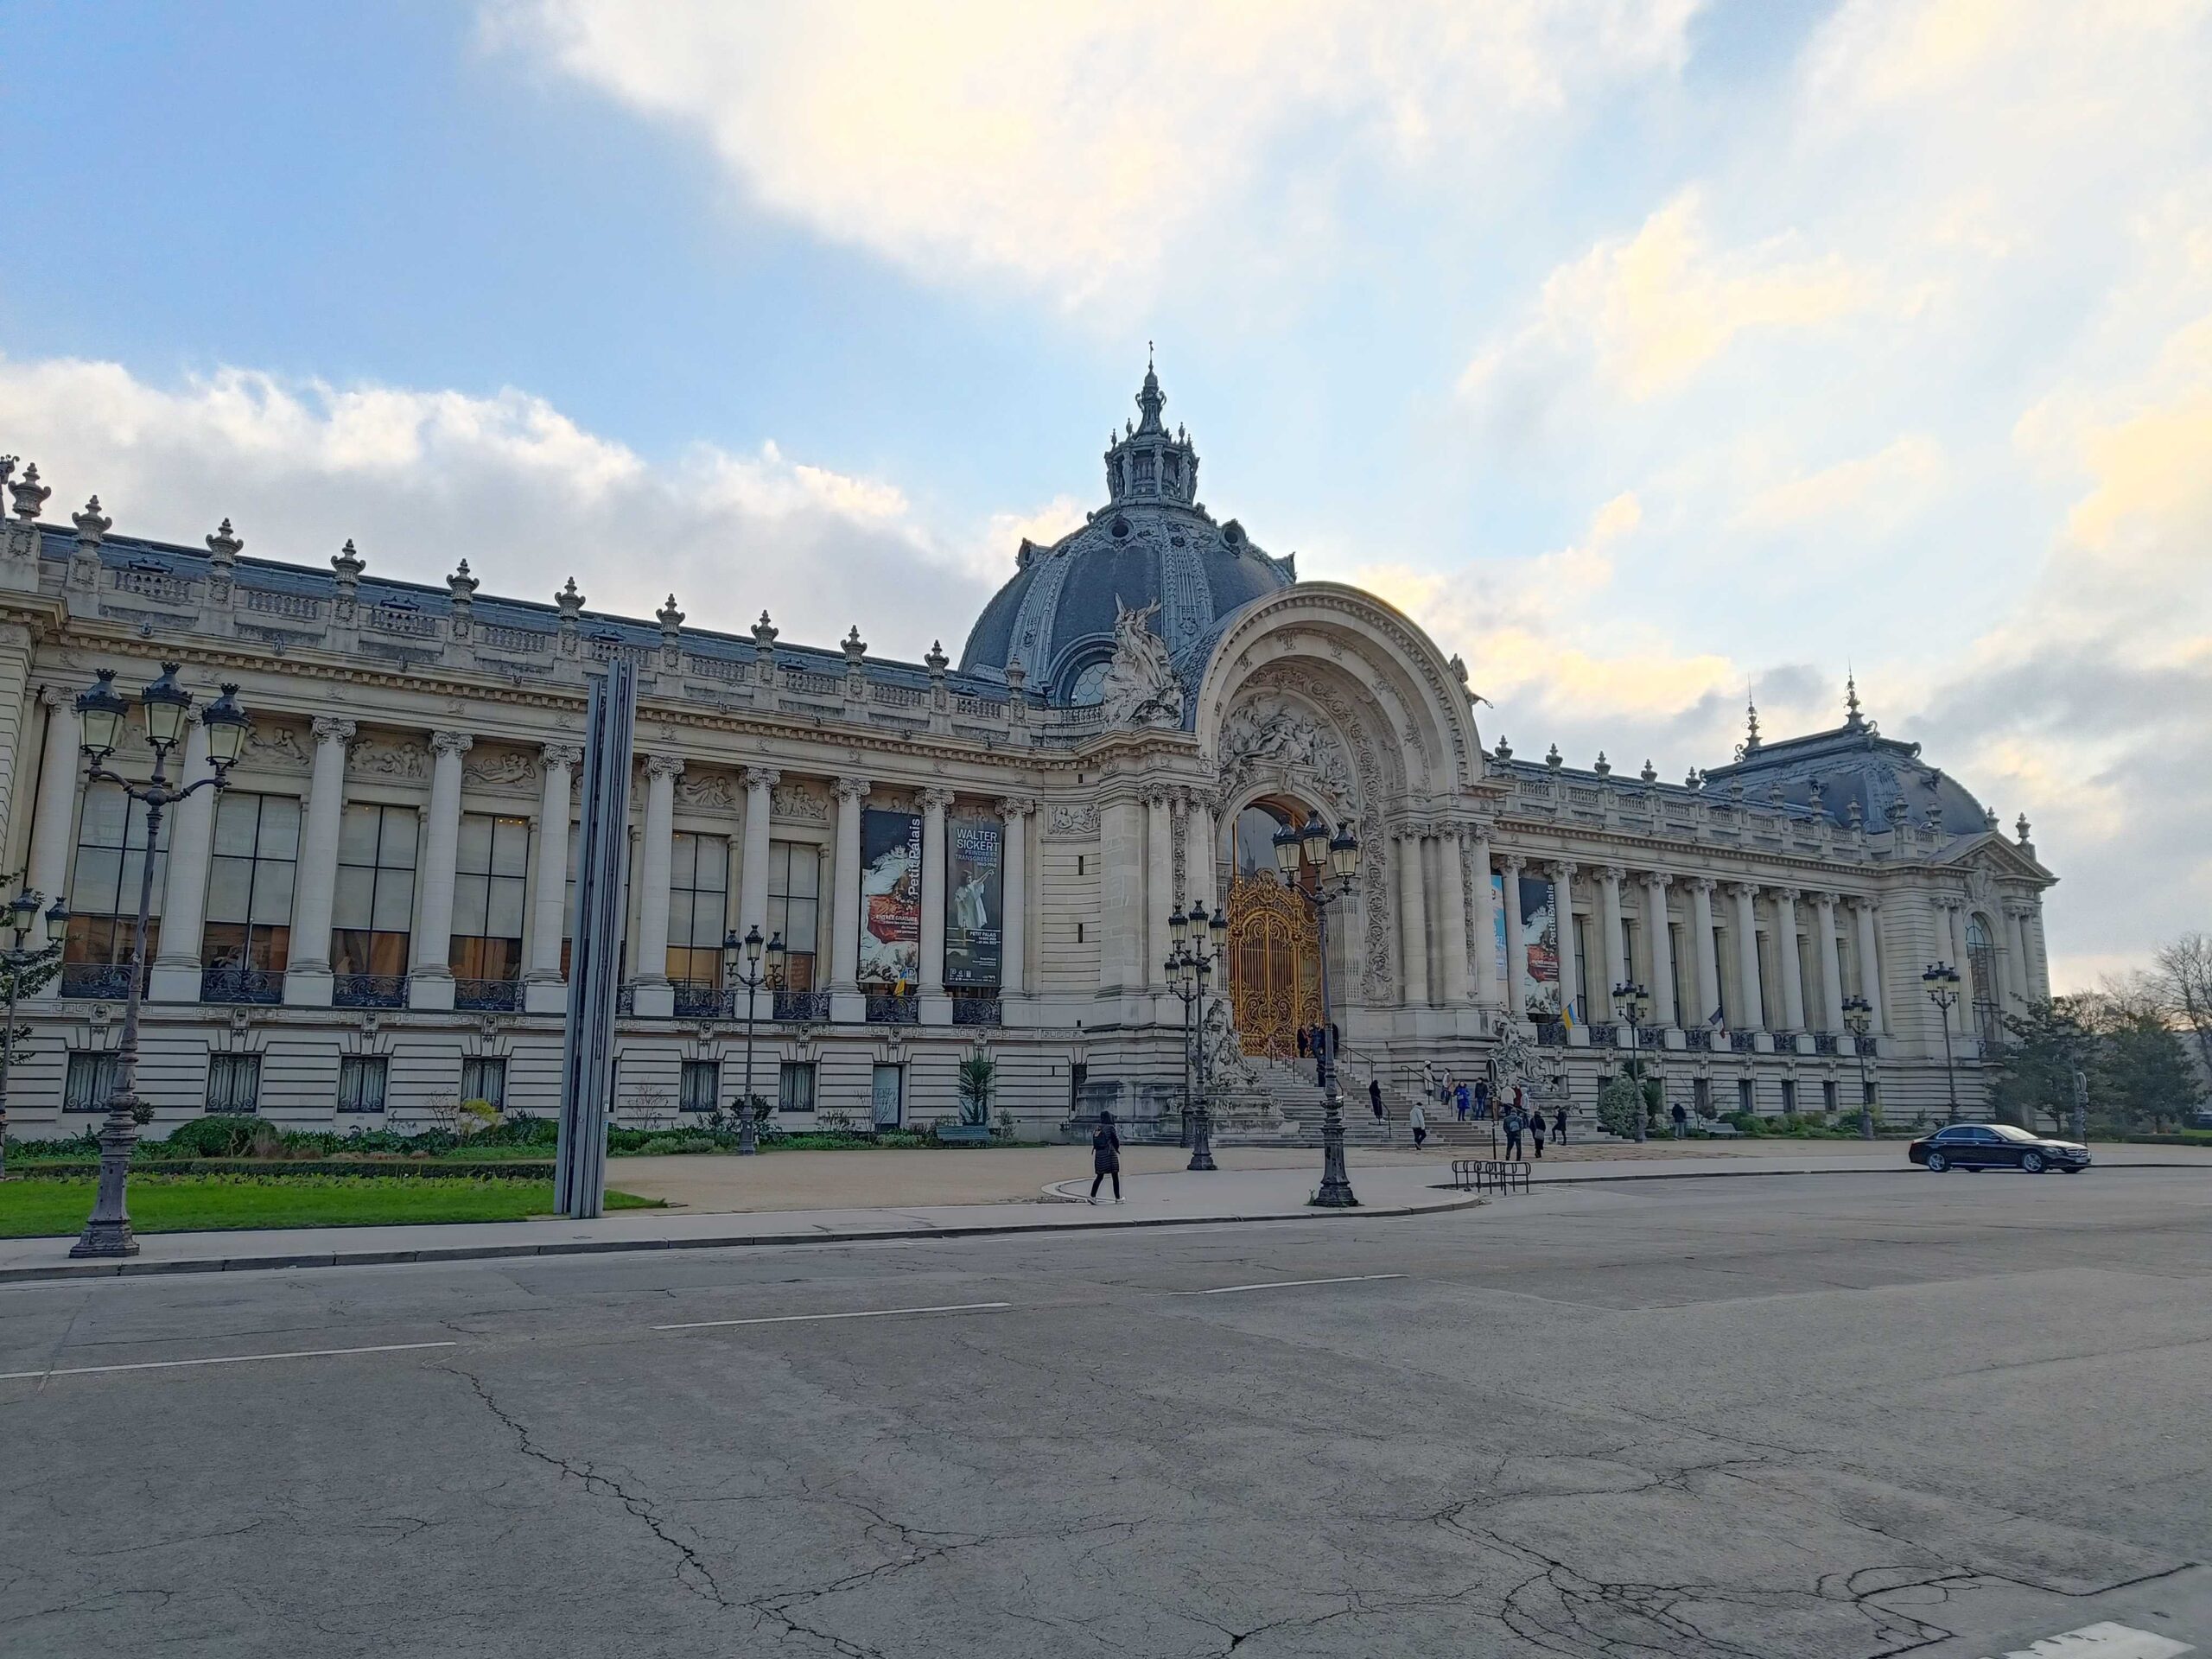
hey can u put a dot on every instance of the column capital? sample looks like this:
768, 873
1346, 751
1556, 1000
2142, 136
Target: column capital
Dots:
1612, 875
850, 789
332, 728
1016, 806
1514, 862
1562, 870
936, 799
454, 743
1704, 884
1786, 895
1866, 902
761, 777
57, 697
1409, 831
664, 766
1742, 889
1658, 880
1822, 899
570, 755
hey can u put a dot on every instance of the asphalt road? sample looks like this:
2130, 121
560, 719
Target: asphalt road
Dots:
1791, 1418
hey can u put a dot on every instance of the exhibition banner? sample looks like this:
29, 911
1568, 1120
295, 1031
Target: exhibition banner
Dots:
891, 898
974, 897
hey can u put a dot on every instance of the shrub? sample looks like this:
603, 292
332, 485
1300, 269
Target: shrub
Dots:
1618, 1102
223, 1137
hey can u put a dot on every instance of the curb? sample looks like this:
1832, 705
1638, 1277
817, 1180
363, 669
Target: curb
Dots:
1727, 1174
133, 1268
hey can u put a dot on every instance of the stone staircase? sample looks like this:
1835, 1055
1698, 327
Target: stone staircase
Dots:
1296, 1103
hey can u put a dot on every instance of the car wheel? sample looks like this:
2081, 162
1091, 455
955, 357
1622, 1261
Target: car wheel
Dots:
1937, 1163
2031, 1163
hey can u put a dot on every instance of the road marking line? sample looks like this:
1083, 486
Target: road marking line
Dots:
1289, 1284
226, 1360
2103, 1640
865, 1314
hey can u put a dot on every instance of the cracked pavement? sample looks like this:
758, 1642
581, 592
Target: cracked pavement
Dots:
1823, 1419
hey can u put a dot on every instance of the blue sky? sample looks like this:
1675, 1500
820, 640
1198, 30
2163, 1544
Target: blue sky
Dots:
1648, 354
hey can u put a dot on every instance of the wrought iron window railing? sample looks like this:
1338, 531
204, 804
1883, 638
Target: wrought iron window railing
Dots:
369, 991
1551, 1033
625, 1000
107, 980
1743, 1042
240, 985
700, 999
487, 995
1650, 1037
884, 1010
812, 1006
1823, 1042
976, 1011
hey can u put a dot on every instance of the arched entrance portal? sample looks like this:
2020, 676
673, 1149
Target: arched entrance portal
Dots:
1274, 954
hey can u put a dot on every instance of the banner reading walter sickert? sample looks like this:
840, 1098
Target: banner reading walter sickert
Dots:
1531, 985
974, 851
891, 897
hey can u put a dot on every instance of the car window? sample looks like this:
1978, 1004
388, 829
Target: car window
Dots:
1952, 1137
2008, 1132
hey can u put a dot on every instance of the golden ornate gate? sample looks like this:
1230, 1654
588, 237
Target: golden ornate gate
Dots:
1275, 964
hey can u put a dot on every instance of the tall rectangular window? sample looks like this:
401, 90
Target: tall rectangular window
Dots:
1790, 1094
490, 870
794, 907
233, 1082
90, 1081
795, 1086
698, 906
249, 882
361, 1079
373, 911
104, 888
702, 1085
485, 1080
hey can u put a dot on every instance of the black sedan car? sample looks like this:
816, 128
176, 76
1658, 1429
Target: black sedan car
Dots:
1996, 1146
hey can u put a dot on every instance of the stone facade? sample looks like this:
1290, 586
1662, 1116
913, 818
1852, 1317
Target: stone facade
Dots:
369, 922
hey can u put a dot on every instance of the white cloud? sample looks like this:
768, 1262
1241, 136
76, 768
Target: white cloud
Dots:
1878, 489
419, 479
1073, 145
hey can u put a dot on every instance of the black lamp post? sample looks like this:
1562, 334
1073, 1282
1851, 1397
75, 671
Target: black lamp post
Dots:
1630, 1000
1943, 983
102, 711
1198, 942
18, 960
741, 965
1859, 1020
1335, 861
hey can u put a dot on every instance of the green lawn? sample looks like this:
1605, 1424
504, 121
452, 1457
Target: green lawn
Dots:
183, 1204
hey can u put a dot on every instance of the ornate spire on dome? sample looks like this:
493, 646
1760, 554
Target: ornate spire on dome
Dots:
1853, 719
1751, 723
1146, 463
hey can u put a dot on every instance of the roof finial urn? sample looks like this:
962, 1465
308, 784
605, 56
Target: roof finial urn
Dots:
1604, 767
30, 494
1650, 773
223, 546
670, 621
854, 647
764, 633
349, 565
935, 661
2025, 845
569, 600
1553, 759
92, 523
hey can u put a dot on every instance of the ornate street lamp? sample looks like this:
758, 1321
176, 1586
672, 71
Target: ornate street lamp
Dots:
1198, 941
1334, 860
1943, 983
741, 965
103, 713
1631, 1002
16, 961
1859, 1020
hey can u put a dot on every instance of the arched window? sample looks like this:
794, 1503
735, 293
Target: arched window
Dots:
1088, 687
1981, 964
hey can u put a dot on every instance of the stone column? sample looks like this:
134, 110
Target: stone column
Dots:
753, 861
1955, 910
314, 881
1831, 963
1516, 939
1413, 918
14, 685
1158, 885
429, 984
845, 903
1703, 956
1609, 923
175, 977
1785, 959
1870, 965
1563, 906
1451, 912
1013, 899
936, 1007
1487, 990
53, 815
544, 990
2038, 952
653, 996
1663, 948
1745, 896
1121, 895
1198, 850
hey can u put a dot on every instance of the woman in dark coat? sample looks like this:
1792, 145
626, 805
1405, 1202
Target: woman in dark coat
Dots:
1105, 1156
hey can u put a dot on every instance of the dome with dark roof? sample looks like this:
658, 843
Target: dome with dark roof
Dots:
1853, 774
1154, 542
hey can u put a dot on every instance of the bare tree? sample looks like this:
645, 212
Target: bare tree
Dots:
2182, 972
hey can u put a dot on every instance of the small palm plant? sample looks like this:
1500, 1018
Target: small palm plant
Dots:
977, 1072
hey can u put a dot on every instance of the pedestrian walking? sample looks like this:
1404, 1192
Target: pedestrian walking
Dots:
1482, 1097
1516, 1121
1536, 1131
1460, 1101
1419, 1119
1105, 1156
1681, 1120
1558, 1127
1301, 1042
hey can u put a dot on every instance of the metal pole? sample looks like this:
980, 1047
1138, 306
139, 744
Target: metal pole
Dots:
1943, 1002
1202, 1146
107, 1232
747, 1136
16, 961
1336, 1192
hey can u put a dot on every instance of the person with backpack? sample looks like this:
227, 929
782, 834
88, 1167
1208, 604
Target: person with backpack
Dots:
1105, 1156
1516, 1121
1536, 1130
1418, 1119
1459, 1101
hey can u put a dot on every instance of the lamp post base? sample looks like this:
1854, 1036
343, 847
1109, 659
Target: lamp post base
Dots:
748, 1141
1201, 1143
1335, 1191
108, 1232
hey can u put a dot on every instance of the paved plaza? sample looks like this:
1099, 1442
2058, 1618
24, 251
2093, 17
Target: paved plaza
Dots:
1806, 1415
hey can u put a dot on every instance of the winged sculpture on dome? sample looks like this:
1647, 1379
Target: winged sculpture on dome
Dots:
1141, 688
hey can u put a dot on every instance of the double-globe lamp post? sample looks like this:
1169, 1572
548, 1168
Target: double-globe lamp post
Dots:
1859, 1020
104, 712
741, 965
1195, 942
1630, 1000
16, 961
1334, 860
1943, 983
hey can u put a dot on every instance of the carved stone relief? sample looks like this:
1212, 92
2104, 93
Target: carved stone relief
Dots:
392, 758
800, 803
497, 768
277, 749
707, 790
1072, 818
